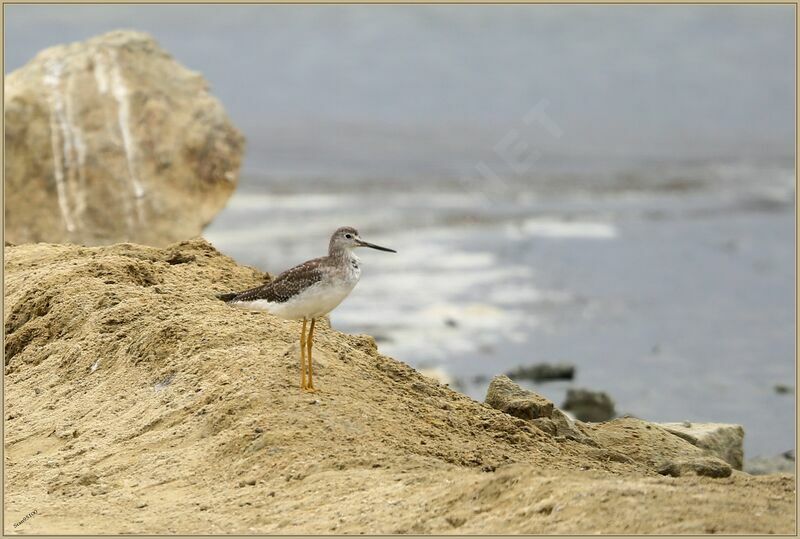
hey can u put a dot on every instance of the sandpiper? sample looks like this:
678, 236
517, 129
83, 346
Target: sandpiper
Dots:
309, 290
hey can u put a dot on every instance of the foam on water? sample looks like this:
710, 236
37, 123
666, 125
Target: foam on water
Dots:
641, 275
553, 228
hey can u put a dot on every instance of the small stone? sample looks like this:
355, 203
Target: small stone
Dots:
505, 395
703, 466
141, 505
783, 389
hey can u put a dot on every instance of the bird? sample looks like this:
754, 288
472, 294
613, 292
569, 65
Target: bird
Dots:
308, 291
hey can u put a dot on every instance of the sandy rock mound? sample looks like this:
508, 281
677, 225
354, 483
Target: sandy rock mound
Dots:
717, 439
112, 140
136, 402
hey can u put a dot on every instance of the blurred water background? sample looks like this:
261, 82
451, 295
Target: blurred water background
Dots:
608, 186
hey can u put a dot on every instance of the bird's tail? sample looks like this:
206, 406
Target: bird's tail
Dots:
227, 296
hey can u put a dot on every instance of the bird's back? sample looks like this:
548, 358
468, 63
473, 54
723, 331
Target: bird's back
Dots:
286, 285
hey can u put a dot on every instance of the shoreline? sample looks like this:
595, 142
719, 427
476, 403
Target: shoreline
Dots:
193, 418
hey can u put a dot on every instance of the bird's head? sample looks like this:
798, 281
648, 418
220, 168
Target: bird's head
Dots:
346, 239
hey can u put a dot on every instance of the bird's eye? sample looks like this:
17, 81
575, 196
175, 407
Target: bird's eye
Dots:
348, 236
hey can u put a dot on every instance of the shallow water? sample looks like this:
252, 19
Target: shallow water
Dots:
674, 297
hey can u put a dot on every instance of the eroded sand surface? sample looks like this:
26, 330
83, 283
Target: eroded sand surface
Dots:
136, 402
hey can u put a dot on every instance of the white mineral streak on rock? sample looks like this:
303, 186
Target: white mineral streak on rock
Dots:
100, 71
101, 77
120, 92
79, 102
52, 80
75, 136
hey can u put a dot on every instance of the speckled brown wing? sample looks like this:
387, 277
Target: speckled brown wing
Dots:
289, 283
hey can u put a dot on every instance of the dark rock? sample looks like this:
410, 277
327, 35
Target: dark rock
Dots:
543, 371
783, 389
589, 405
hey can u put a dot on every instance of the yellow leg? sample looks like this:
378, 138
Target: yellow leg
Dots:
310, 343
303, 356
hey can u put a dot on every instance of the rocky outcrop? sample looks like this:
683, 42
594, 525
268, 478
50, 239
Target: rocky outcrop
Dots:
112, 140
505, 395
722, 440
662, 447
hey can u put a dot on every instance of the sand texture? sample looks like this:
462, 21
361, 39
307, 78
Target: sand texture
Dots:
136, 402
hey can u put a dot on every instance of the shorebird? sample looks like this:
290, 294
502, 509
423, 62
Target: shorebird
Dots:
309, 290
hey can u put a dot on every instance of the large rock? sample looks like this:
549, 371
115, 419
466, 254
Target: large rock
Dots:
112, 140
722, 440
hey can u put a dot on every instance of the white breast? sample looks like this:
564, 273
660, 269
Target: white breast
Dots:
318, 299
354, 269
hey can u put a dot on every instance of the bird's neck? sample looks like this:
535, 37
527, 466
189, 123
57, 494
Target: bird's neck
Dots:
342, 254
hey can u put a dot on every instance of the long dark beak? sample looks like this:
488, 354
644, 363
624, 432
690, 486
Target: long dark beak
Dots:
372, 245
